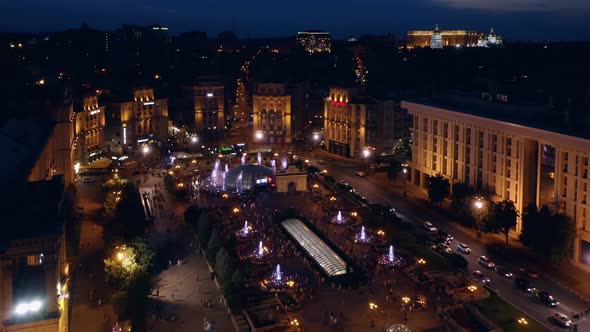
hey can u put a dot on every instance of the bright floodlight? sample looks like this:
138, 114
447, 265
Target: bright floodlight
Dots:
479, 204
366, 153
194, 139
21, 308
145, 149
35, 305
259, 135
316, 136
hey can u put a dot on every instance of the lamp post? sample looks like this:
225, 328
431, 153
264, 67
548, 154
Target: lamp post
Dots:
523, 323
372, 307
366, 154
259, 135
405, 302
479, 209
316, 138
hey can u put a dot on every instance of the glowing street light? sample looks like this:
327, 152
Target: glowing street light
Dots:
194, 139
372, 307
523, 323
145, 149
259, 135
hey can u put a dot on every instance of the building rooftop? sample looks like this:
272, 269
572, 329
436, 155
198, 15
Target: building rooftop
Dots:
22, 140
540, 116
31, 210
317, 249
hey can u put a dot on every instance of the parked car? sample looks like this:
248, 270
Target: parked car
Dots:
429, 227
462, 247
485, 261
88, 180
502, 272
524, 285
561, 320
481, 277
547, 299
321, 161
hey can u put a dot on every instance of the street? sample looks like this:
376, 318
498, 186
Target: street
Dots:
377, 190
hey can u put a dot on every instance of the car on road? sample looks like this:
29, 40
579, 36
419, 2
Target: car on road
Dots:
546, 298
361, 173
530, 273
462, 247
481, 277
321, 161
561, 320
502, 272
444, 248
429, 227
446, 235
88, 180
524, 285
485, 261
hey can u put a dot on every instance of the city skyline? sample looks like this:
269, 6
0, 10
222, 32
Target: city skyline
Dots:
545, 20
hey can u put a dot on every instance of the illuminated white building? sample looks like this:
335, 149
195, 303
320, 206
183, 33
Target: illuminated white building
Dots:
89, 131
490, 40
436, 41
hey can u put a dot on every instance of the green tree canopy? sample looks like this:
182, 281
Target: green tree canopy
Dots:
502, 217
438, 189
394, 168
204, 228
547, 233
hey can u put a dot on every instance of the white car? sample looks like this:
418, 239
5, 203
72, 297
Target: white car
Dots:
444, 248
562, 320
485, 261
360, 173
462, 247
429, 227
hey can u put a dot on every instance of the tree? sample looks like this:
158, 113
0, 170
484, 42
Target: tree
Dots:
438, 189
547, 233
191, 216
204, 228
460, 202
224, 266
138, 301
393, 170
502, 217
457, 261
213, 246
129, 217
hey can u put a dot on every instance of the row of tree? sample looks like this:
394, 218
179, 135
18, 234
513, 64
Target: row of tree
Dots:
549, 234
218, 252
129, 260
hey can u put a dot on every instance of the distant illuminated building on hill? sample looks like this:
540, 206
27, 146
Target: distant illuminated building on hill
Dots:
315, 41
490, 40
428, 38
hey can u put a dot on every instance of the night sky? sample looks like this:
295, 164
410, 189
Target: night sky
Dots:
513, 19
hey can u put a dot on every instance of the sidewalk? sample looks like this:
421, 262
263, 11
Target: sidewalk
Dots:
180, 289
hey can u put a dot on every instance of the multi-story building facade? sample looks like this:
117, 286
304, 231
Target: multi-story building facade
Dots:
89, 130
424, 38
510, 159
271, 109
34, 268
206, 101
353, 122
143, 119
315, 41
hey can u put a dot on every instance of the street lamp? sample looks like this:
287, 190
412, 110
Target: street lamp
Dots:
523, 323
194, 139
405, 302
479, 211
259, 135
316, 138
372, 307
366, 154
145, 149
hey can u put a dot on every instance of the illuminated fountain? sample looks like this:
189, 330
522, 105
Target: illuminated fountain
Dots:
277, 280
364, 237
223, 181
243, 159
226, 168
284, 163
341, 220
239, 183
259, 158
256, 254
390, 259
245, 232
216, 173
273, 164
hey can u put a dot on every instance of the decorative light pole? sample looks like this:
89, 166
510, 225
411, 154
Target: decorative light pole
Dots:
372, 307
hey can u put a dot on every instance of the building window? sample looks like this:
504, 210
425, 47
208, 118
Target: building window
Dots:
33, 260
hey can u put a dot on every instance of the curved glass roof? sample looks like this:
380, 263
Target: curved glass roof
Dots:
246, 177
317, 249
